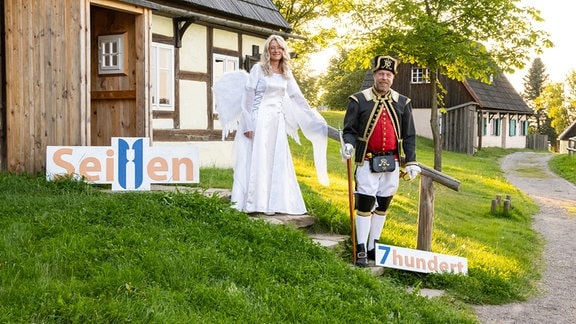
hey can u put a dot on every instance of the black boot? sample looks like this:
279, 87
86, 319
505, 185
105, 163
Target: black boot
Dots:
372, 253
361, 257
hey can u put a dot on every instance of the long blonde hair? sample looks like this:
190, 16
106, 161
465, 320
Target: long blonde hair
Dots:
284, 62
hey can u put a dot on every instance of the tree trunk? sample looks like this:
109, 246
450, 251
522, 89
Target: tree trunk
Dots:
434, 122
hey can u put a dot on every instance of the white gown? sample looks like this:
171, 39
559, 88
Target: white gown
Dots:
264, 176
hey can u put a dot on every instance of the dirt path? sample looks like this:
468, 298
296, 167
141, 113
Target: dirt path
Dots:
556, 221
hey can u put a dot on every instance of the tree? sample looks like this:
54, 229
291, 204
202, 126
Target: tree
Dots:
305, 17
550, 103
571, 96
534, 82
339, 83
460, 39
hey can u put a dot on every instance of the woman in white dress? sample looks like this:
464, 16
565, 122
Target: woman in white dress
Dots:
264, 176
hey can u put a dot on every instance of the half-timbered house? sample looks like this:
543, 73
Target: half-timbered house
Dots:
79, 72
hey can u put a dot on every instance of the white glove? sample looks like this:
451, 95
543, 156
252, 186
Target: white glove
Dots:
347, 151
413, 171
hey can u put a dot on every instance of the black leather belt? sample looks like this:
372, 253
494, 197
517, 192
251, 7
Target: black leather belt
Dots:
371, 154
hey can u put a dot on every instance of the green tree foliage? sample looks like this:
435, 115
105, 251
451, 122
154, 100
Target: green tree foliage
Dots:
457, 38
550, 104
534, 83
571, 96
308, 19
339, 83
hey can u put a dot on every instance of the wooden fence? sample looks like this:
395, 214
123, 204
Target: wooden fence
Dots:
426, 205
537, 142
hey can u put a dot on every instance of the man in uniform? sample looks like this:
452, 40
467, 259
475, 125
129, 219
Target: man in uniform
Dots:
378, 124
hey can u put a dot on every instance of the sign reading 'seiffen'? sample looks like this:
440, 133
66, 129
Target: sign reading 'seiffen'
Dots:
129, 164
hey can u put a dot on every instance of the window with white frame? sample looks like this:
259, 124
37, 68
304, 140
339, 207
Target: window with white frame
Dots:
111, 54
223, 64
162, 76
420, 75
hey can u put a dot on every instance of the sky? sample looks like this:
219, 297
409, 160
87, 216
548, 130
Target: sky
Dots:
559, 17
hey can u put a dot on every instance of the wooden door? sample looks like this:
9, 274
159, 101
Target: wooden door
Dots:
114, 68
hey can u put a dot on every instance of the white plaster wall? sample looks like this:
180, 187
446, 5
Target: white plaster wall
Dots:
517, 141
162, 124
193, 105
212, 154
225, 39
162, 25
193, 55
491, 141
248, 41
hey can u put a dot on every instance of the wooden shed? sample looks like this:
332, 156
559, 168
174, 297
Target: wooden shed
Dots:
477, 114
565, 137
79, 72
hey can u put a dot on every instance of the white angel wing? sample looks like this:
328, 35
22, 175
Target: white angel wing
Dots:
228, 95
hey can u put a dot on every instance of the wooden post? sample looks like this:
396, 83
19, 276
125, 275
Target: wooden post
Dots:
494, 207
506, 207
425, 214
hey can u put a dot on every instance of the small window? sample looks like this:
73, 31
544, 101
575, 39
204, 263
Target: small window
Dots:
484, 125
523, 128
420, 75
162, 76
111, 54
495, 131
512, 127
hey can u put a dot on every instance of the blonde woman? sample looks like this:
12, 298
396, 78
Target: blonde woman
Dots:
274, 107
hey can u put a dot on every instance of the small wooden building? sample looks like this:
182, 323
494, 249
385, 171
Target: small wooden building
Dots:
564, 138
477, 114
79, 72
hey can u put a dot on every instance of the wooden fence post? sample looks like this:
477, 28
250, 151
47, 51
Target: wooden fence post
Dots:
425, 214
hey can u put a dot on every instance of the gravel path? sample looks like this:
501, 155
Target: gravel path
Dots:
556, 221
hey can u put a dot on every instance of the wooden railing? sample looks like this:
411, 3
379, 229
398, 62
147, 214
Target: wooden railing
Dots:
571, 145
426, 205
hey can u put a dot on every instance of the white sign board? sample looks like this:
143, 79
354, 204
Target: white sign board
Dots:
419, 261
129, 164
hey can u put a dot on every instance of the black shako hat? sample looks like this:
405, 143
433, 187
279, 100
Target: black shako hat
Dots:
383, 62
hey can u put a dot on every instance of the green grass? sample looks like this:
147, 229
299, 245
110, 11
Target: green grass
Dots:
71, 253
565, 166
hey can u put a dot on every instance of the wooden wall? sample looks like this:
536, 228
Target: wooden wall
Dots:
45, 79
2, 93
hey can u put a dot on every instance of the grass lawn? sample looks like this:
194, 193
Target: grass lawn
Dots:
72, 253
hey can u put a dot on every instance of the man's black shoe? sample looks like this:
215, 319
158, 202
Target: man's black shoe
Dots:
361, 257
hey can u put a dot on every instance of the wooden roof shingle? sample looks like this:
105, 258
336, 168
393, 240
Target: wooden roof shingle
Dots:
262, 11
500, 95
569, 132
